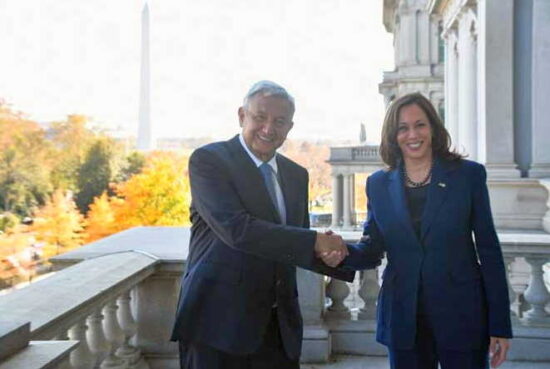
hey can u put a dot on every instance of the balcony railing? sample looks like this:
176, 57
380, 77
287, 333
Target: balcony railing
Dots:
365, 154
113, 302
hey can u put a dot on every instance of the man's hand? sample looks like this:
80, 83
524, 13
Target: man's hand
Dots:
498, 348
330, 248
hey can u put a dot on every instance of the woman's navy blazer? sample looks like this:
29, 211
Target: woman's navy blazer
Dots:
457, 261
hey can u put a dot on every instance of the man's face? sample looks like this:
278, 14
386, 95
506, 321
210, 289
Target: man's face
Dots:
265, 123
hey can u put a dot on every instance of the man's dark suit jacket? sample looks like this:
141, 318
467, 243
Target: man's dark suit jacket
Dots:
463, 281
241, 259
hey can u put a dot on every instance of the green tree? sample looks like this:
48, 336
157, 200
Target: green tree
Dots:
72, 140
25, 158
94, 175
133, 164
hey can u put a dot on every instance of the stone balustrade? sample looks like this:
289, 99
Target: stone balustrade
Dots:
112, 304
89, 302
524, 253
363, 153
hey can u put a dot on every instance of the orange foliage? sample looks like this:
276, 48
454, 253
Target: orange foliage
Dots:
158, 196
101, 219
58, 224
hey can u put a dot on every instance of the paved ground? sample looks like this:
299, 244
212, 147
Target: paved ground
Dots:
363, 362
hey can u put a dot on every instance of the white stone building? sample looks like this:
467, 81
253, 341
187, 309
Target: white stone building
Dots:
419, 52
496, 100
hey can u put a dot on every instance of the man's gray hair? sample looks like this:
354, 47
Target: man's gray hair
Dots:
268, 88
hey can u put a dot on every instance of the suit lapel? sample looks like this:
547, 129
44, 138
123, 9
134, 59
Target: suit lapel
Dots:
397, 196
251, 180
437, 191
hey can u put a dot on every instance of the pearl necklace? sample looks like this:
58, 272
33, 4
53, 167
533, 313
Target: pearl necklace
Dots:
417, 184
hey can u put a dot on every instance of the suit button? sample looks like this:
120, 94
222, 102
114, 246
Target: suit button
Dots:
278, 283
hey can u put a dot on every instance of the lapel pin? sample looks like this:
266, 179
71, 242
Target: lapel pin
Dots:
442, 185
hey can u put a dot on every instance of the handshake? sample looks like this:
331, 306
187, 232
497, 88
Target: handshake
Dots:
331, 248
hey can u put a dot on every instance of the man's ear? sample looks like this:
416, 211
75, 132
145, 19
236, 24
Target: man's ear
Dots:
240, 112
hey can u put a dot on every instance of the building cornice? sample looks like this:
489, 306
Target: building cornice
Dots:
388, 14
449, 11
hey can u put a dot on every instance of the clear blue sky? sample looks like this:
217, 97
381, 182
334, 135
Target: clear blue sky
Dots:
82, 56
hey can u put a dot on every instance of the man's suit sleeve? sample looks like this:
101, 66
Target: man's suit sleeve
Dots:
218, 203
490, 257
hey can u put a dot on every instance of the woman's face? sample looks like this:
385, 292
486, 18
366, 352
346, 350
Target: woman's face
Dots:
414, 133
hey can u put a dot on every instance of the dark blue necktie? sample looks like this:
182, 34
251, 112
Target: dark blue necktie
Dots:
267, 172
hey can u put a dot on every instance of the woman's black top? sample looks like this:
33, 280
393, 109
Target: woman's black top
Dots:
416, 199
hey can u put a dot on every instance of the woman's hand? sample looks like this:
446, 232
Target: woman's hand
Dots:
498, 348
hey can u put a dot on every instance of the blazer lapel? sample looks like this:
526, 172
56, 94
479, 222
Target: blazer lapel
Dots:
397, 196
437, 191
251, 179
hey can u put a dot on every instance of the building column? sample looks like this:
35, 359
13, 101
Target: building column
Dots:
451, 86
540, 165
353, 214
495, 55
336, 206
467, 95
347, 202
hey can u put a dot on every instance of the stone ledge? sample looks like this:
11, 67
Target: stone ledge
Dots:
40, 355
13, 337
65, 298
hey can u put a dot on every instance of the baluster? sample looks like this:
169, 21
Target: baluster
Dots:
127, 352
514, 297
337, 291
368, 291
114, 335
81, 357
99, 345
536, 294
63, 336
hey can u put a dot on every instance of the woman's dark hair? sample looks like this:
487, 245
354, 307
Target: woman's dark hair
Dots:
441, 140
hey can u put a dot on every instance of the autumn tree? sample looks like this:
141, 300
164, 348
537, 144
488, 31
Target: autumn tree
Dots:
94, 174
159, 195
101, 221
313, 157
59, 224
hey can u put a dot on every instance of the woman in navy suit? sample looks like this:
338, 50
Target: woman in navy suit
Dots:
444, 297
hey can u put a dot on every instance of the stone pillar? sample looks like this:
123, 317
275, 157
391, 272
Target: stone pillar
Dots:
155, 304
467, 95
353, 213
451, 86
408, 39
540, 166
347, 202
316, 344
495, 55
336, 206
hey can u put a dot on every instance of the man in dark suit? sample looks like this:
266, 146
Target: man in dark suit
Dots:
238, 305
